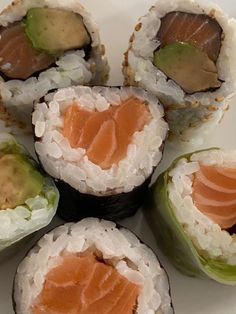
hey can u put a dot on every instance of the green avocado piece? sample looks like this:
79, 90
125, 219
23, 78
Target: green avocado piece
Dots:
19, 181
55, 30
188, 66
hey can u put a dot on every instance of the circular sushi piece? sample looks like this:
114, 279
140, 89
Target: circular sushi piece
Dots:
102, 145
28, 199
195, 202
183, 52
46, 45
91, 267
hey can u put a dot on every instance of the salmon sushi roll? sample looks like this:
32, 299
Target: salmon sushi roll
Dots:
194, 201
184, 52
28, 198
91, 267
102, 145
46, 45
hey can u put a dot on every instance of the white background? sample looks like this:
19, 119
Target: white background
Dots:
190, 296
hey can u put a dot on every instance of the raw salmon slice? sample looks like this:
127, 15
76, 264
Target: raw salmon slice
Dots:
18, 58
74, 121
214, 194
85, 285
99, 153
105, 135
199, 30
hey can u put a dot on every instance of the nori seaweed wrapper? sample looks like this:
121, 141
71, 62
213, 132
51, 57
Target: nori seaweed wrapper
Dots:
74, 205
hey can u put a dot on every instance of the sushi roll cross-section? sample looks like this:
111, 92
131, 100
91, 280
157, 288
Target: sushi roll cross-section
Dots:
102, 145
183, 52
193, 214
46, 45
91, 267
28, 199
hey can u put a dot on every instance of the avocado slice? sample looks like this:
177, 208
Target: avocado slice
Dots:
55, 30
19, 181
188, 66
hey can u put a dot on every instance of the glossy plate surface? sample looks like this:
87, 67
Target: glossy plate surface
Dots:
116, 20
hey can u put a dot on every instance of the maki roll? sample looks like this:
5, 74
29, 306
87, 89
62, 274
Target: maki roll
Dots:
184, 52
28, 199
45, 45
102, 145
91, 267
192, 210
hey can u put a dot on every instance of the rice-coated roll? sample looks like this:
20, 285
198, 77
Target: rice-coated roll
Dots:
183, 51
28, 199
102, 145
44, 45
91, 267
192, 210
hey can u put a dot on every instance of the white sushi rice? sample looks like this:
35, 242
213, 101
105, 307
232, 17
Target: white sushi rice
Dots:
71, 165
70, 69
16, 223
117, 246
204, 109
205, 234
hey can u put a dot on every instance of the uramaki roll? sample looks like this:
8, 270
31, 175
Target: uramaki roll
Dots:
45, 45
102, 145
28, 198
184, 52
91, 267
192, 210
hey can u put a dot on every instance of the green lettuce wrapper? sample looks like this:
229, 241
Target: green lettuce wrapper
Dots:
175, 242
46, 200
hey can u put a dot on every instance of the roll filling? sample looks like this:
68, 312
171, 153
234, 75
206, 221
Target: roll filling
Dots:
189, 48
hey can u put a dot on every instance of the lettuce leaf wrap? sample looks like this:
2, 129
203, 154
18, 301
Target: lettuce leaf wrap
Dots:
173, 239
28, 198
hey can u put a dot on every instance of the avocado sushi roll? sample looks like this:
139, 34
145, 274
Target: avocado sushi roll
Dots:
102, 145
183, 51
28, 199
192, 210
91, 267
45, 45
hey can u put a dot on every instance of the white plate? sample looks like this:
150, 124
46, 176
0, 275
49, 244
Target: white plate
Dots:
190, 295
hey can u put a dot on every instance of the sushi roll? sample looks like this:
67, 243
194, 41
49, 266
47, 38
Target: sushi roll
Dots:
183, 51
192, 210
102, 145
44, 45
28, 199
91, 267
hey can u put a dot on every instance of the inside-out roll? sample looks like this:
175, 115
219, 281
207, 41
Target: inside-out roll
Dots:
102, 144
28, 198
183, 52
192, 210
46, 45
91, 267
